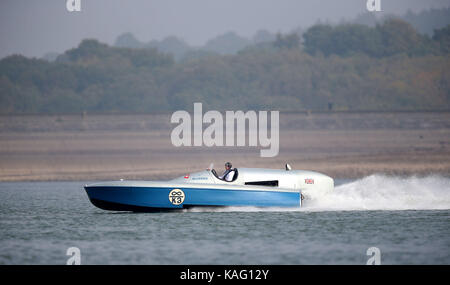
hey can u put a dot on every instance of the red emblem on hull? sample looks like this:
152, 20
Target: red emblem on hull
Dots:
309, 181
186, 176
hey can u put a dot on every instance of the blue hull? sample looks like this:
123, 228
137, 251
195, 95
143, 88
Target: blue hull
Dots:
123, 198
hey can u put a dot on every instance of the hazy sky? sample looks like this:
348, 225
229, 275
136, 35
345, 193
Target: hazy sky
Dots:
34, 27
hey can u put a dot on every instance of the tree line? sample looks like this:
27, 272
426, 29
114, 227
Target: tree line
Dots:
346, 67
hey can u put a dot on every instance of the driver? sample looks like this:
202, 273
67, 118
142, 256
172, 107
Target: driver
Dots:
229, 172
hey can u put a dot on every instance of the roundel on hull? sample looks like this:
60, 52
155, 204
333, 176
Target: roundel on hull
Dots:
176, 197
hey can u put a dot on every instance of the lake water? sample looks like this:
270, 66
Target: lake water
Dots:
408, 219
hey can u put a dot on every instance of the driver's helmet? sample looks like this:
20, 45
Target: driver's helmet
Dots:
228, 164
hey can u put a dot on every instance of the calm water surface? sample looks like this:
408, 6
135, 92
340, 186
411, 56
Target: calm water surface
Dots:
39, 221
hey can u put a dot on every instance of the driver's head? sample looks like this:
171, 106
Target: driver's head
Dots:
228, 165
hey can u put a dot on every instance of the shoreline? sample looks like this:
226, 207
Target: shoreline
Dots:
137, 147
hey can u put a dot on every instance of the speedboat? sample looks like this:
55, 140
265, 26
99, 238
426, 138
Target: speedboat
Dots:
249, 187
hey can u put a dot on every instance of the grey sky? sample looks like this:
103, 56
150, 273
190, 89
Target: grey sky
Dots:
33, 27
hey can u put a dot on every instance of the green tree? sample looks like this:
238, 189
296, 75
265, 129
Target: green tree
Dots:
289, 41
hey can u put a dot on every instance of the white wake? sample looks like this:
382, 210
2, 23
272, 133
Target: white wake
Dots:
381, 192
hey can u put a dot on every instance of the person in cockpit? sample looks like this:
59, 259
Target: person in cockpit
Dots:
229, 172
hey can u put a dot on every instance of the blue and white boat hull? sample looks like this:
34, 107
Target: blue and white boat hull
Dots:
250, 187
155, 198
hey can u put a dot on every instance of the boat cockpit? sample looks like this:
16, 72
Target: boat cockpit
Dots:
235, 176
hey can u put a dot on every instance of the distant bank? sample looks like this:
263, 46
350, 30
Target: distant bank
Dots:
103, 147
